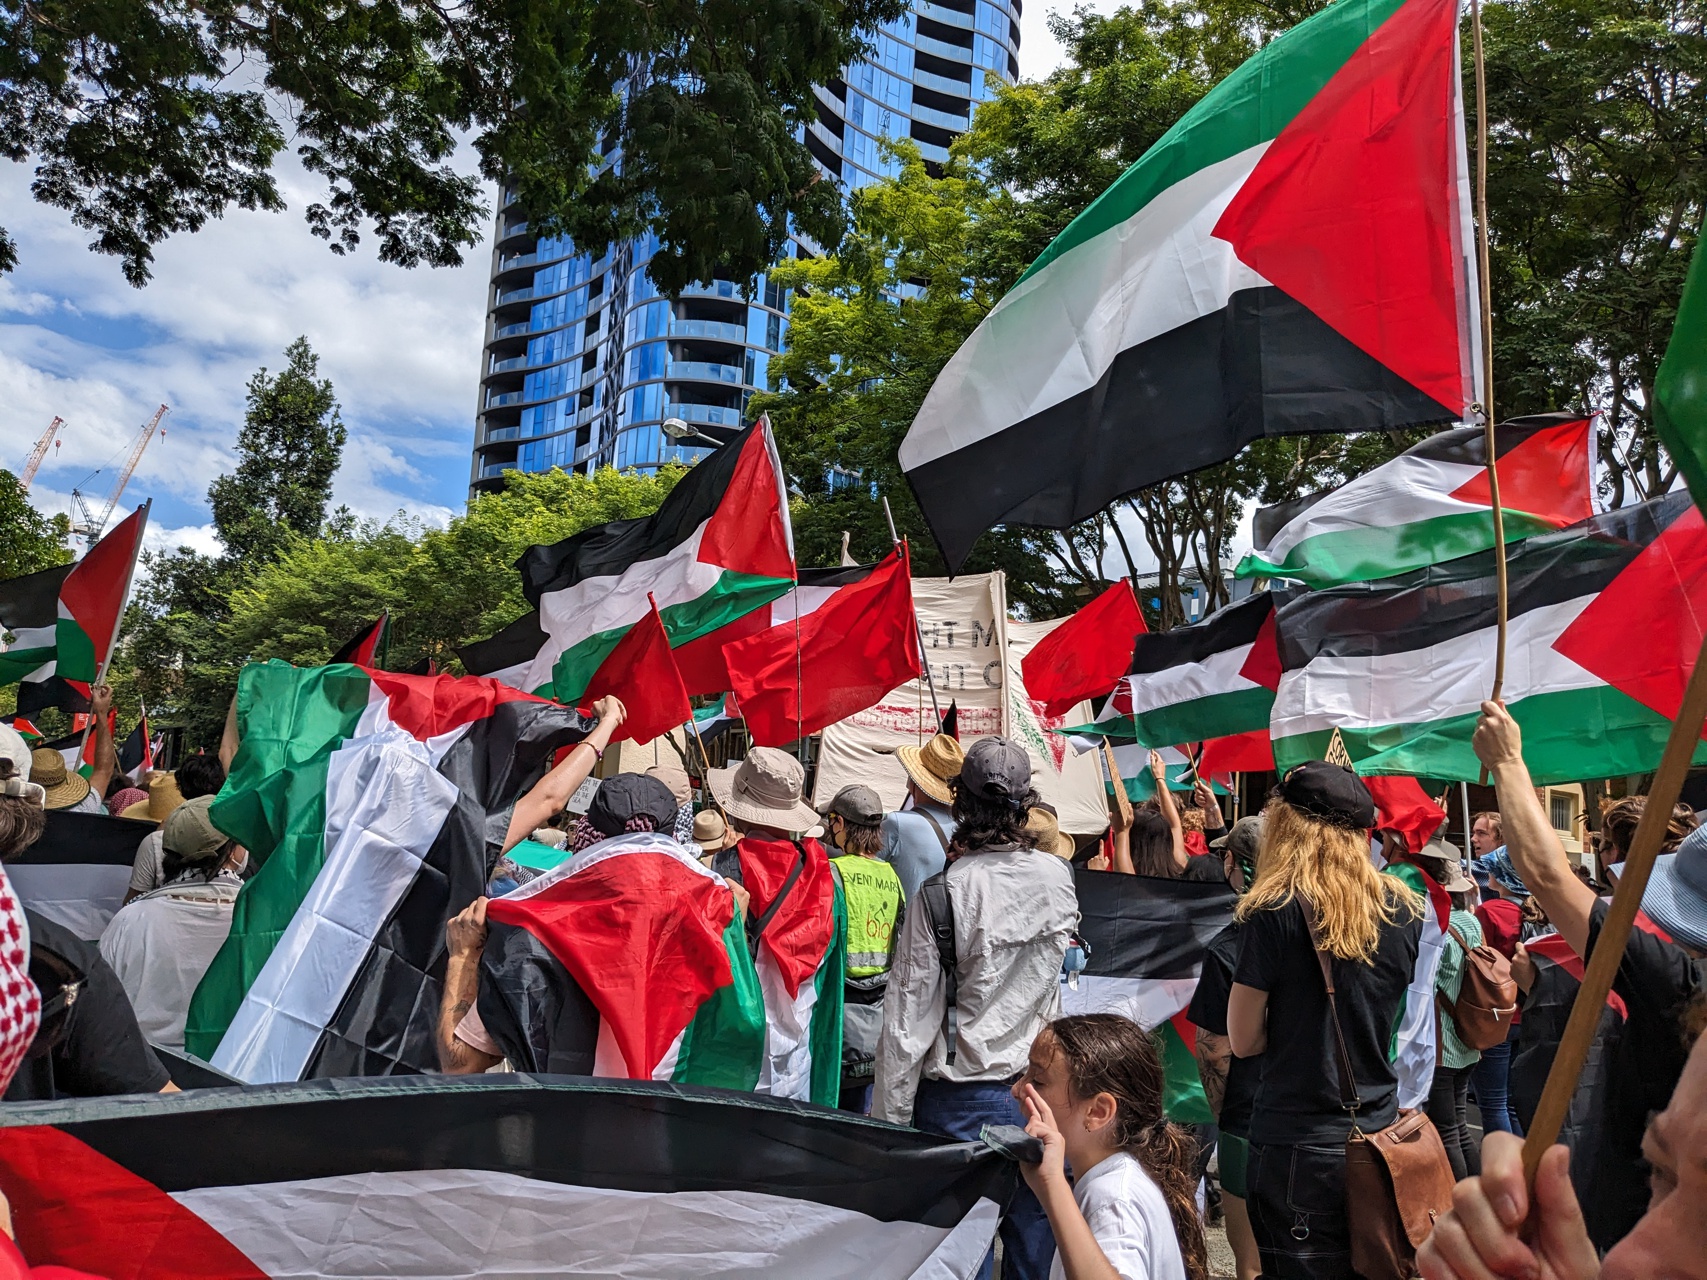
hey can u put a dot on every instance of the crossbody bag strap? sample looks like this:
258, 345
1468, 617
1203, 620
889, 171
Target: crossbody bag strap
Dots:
941, 835
764, 920
1349, 1098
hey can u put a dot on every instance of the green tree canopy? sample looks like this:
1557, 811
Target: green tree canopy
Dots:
149, 117
29, 540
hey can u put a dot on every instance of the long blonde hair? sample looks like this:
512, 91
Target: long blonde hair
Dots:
1328, 866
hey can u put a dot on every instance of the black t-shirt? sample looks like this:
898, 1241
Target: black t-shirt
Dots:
1656, 979
1299, 1099
1206, 868
104, 1051
1208, 1012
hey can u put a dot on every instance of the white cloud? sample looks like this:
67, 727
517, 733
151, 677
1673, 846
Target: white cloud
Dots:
1039, 52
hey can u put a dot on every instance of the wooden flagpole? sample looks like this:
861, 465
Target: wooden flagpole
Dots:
1615, 932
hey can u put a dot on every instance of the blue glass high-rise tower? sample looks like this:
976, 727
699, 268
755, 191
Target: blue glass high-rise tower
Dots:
584, 361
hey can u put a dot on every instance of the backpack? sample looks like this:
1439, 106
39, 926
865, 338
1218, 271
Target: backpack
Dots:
1487, 998
939, 917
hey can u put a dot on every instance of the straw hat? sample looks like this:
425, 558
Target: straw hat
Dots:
64, 789
764, 789
932, 765
163, 798
1046, 828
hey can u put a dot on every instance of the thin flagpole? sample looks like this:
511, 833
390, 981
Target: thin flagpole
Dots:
1487, 300
918, 631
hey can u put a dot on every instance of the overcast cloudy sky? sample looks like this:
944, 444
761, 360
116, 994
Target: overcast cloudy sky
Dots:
402, 349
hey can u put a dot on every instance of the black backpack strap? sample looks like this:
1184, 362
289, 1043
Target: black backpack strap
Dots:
939, 919
758, 926
941, 835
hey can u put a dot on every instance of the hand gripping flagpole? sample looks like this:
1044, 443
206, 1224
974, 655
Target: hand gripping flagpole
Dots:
918, 631
1608, 951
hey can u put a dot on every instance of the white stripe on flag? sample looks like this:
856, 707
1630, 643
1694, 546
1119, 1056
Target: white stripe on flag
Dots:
1413, 1058
477, 1223
787, 1068
1406, 490
1215, 675
385, 805
1147, 1001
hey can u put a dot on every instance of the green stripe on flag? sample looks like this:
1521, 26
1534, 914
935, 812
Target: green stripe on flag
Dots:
15, 664
1680, 388
1183, 1099
1370, 553
1219, 715
76, 652
724, 1046
291, 720
826, 1031
1251, 106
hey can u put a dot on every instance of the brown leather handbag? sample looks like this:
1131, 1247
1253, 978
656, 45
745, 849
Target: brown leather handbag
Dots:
1398, 1179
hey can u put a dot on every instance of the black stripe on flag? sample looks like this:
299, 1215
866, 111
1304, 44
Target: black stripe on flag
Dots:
84, 839
33, 599
386, 1020
55, 691
608, 549
839, 576
517, 643
1139, 927
1441, 602
633, 1136
1226, 628
531, 1005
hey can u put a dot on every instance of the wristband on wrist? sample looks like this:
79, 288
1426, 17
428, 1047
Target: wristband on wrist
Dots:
598, 755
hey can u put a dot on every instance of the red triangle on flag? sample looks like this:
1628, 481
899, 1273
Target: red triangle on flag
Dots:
1546, 476
642, 672
1353, 210
1262, 664
93, 592
1086, 655
749, 531
1251, 752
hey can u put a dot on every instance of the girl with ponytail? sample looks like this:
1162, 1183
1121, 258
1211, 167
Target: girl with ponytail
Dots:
1092, 1094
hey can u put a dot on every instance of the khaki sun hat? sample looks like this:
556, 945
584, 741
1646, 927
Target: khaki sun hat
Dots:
764, 789
677, 780
1046, 829
710, 832
932, 765
163, 798
64, 789
190, 832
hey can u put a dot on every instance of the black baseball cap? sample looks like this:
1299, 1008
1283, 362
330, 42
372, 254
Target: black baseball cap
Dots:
996, 769
632, 795
858, 804
1329, 793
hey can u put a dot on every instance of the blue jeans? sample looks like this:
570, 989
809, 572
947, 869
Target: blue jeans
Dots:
1295, 1197
1490, 1082
960, 1111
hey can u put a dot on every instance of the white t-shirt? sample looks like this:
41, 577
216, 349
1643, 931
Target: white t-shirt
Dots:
148, 871
1129, 1217
161, 945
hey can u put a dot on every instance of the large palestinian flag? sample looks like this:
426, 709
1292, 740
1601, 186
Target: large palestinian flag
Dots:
654, 941
1429, 504
1146, 942
1293, 256
63, 620
1209, 680
1606, 622
374, 803
719, 547
490, 1177
1414, 1047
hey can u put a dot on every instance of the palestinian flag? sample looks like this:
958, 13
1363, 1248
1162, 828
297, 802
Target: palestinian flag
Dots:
1208, 680
136, 752
507, 656
1294, 256
712, 722
653, 940
494, 1176
1146, 941
368, 647
641, 672
79, 871
1413, 1050
1606, 622
63, 621
839, 653
1429, 504
1086, 655
719, 547
1680, 389
372, 802
25, 728
1140, 784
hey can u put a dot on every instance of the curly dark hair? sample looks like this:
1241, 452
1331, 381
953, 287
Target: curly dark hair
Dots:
980, 823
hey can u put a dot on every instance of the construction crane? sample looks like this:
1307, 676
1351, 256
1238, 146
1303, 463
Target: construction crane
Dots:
87, 525
39, 452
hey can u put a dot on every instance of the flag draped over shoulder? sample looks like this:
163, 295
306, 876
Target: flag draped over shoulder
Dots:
1413, 1050
1429, 504
491, 1177
1292, 256
1087, 654
1606, 621
719, 547
375, 804
654, 941
63, 620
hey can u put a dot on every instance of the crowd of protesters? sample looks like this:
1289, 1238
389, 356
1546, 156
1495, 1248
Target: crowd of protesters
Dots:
959, 910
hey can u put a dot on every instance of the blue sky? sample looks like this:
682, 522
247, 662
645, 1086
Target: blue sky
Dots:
402, 349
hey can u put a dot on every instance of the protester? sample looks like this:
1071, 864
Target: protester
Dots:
1043, 824
123, 798
22, 819
1229, 1084
1498, 1227
161, 944
1507, 919
1093, 1094
1449, 1098
874, 909
1202, 821
916, 837
1485, 832
681, 787
792, 919
199, 775
1657, 979
711, 835
1155, 844
546, 798
1315, 850
958, 1027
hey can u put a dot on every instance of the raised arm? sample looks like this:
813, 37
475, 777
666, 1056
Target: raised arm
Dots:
465, 941
228, 739
1529, 836
552, 792
1169, 810
106, 759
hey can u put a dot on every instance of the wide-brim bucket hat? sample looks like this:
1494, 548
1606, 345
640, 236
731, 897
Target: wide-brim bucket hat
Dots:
765, 789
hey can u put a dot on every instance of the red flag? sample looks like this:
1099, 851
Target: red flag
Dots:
1239, 753
1087, 654
839, 659
91, 599
641, 671
1402, 805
